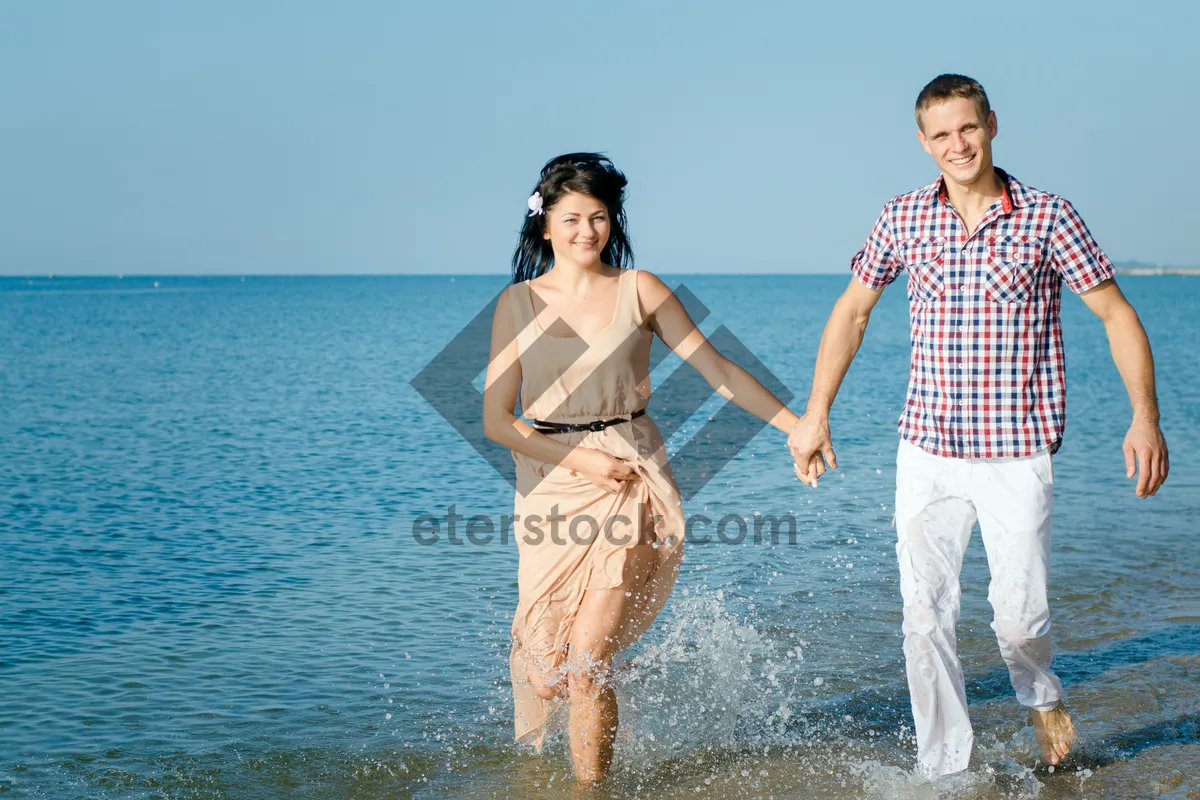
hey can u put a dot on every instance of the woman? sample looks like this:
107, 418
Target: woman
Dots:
601, 527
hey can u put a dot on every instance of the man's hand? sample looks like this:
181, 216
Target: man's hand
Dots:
809, 441
1146, 455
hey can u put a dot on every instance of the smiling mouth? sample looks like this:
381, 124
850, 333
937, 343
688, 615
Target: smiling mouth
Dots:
958, 162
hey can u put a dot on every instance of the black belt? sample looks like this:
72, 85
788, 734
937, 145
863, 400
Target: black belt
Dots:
542, 426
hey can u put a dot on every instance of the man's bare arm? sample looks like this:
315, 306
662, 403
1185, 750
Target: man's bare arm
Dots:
843, 335
1144, 447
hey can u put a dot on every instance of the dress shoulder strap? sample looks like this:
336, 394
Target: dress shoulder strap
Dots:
627, 297
520, 297
628, 307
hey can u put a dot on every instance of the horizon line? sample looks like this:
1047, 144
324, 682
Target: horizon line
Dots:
123, 275
1124, 268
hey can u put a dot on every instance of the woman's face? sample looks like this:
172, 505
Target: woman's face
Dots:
577, 227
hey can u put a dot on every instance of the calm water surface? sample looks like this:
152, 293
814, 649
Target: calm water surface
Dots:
212, 588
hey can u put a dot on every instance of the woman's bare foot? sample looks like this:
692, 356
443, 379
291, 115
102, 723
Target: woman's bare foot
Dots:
1055, 733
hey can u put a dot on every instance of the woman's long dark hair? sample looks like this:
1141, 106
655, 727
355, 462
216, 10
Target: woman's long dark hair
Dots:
584, 173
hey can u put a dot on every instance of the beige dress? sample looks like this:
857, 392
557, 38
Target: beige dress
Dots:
571, 379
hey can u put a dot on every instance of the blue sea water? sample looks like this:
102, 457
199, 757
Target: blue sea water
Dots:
212, 588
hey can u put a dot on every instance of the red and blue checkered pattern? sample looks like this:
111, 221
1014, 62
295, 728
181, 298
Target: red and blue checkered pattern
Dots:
987, 374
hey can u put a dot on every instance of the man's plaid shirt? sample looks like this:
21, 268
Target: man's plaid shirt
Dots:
987, 375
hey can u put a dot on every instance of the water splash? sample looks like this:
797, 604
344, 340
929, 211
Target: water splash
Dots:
1004, 779
696, 686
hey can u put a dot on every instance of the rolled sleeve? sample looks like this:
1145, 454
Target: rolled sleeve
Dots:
1076, 256
876, 265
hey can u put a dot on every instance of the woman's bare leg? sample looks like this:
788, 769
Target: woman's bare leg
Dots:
594, 639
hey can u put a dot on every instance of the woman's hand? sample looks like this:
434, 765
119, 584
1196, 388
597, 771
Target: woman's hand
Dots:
599, 467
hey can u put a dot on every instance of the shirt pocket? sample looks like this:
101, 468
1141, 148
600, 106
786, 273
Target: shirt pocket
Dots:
925, 259
1013, 263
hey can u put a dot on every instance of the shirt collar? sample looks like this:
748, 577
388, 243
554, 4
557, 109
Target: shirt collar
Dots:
1015, 195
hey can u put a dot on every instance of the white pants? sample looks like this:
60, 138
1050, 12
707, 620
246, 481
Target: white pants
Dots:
938, 501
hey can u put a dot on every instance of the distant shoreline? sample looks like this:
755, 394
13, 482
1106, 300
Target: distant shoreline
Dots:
1158, 271
1146, 268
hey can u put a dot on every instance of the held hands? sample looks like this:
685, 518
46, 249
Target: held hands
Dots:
1146, 455
599, 467
809, 441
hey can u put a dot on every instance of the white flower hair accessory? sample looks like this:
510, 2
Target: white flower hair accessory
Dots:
535, 204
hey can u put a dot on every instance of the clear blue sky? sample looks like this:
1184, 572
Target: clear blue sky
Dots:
402, 137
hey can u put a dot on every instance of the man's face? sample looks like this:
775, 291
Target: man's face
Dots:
958, 139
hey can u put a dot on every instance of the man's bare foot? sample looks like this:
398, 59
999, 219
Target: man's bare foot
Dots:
1055, 733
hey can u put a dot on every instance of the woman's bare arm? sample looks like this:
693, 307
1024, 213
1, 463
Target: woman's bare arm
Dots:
671, 322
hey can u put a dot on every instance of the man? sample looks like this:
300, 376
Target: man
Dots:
986, 258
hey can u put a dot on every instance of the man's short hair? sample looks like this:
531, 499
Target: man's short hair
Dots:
949, 87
